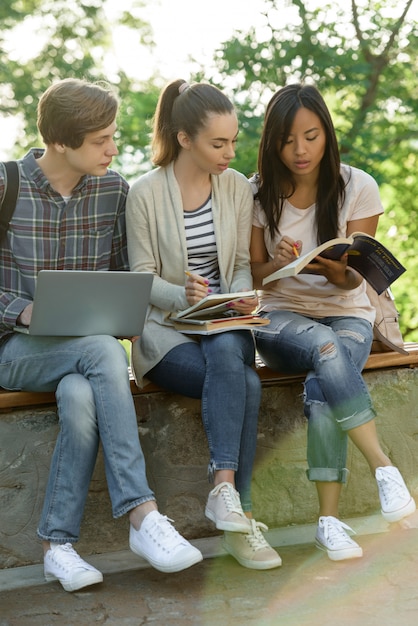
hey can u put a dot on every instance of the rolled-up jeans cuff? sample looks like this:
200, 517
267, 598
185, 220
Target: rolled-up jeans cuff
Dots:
357, 419
215, 467
327, 474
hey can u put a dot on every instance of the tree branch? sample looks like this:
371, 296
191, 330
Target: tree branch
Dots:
377, 63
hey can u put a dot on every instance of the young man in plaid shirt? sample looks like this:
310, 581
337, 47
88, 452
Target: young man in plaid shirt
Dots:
70, 215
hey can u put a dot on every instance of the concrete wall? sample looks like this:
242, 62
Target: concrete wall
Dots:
175, 447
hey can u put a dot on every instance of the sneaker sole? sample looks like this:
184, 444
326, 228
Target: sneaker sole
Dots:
396, 516
341, 555
172, 567
248, 563
237, 527
92, 579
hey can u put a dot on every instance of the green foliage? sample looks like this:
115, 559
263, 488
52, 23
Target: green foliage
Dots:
135, 125
364, 61
67, 50
72, 40
362, 54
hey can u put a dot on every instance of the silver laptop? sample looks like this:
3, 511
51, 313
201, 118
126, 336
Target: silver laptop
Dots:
79, 303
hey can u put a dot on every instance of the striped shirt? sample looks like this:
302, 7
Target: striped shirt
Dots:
201, 244
85, 233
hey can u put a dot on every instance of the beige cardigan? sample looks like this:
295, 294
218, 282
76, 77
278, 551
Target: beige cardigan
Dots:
157, 244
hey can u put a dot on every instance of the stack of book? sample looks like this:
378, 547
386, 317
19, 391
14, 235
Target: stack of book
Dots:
215, 314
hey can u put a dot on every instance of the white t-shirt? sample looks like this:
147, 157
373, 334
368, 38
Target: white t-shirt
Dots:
310, 294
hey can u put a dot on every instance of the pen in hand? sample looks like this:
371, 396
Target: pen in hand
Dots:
197, 278
196, 287
295, 250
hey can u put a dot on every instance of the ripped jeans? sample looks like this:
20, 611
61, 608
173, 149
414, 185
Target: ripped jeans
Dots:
334, 351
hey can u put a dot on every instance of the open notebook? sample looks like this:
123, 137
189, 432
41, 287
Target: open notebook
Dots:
79, 303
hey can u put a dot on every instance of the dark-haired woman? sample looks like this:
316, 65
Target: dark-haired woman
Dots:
189, 223
322, 319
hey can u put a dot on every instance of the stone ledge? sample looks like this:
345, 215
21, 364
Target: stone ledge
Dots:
176, 452
210, 547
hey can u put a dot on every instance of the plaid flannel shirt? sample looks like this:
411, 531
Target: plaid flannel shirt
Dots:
46, 232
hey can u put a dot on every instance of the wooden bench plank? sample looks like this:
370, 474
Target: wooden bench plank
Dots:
376, 361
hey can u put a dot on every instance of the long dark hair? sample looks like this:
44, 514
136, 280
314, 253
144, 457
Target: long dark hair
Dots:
183, 107
276, 182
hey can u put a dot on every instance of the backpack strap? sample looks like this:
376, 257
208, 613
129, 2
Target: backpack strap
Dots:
8, 203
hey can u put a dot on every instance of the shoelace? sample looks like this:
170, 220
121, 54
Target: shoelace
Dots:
390, 487
69, 557
256, 537
230, 497
335, 530
163, 530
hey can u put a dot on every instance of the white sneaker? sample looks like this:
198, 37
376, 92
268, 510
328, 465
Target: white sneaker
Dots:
251, 549
161, 545
395, 500
331, 537
62, 563
224, 509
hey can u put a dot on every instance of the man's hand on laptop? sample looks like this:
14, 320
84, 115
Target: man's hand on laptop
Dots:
26, 315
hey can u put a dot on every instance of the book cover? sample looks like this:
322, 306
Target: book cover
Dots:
366, 255
218, 325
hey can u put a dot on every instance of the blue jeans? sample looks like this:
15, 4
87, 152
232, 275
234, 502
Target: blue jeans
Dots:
218, 369
90, 378
333, 350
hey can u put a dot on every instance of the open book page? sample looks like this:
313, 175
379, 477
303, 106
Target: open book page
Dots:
365, 254
332, 249
213, 305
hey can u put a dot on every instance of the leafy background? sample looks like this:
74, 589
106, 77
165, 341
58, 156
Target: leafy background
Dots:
362, 54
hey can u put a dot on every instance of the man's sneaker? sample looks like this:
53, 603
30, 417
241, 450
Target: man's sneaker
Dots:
395, 500
224, 509
331, 536
251, 549
161, 545
62, 563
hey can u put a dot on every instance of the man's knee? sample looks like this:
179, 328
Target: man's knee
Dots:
76, 405
107, 348
75, 389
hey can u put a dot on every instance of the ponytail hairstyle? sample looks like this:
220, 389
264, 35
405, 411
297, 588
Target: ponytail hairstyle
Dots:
183, 107
276, 182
